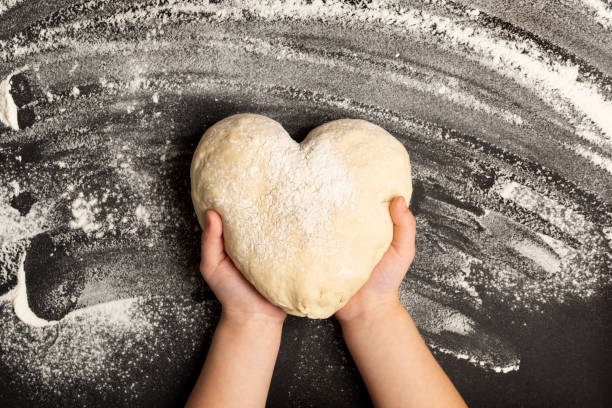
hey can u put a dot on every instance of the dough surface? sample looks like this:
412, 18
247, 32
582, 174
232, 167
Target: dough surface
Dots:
304, 223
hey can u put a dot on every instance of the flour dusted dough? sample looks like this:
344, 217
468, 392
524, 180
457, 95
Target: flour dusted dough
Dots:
304, 223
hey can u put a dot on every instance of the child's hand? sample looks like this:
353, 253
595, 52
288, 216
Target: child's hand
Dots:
396, 365
238, 297
381, 290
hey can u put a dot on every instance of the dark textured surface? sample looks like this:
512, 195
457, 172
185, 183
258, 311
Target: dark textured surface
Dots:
511, 159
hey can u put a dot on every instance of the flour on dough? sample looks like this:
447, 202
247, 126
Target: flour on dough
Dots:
305, 223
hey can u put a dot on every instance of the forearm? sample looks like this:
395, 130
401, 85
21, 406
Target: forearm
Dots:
395, 363
239, 364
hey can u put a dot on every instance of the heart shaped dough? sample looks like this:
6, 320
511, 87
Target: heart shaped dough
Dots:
305, 223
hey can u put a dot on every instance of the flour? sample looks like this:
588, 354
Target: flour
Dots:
105, 343
20, 301
435, 320
143, 215
8, 109
361, 63
6, 5
603, 11
318, 173
594, 157
84, 214
564, 218
542, 257
520, 59
13, 250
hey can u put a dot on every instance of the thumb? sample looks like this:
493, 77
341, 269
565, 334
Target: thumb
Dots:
404, 230
212, 243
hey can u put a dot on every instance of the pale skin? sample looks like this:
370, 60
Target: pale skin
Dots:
395, 363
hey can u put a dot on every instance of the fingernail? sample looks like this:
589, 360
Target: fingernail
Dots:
404, 204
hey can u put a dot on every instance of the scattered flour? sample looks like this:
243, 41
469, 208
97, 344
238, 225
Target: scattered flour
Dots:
521, 59
8, 109
21, 306
143, 215
603, 11
559, 215
594, 157
8, 4
107, 345
84, 214
545, 259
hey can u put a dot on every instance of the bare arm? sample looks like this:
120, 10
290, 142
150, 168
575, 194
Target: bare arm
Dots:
239, 364
394, 361
241, 358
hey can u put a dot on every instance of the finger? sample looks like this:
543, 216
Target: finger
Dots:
404, 229
212, 243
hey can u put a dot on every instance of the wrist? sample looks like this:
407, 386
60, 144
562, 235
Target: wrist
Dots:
376, 311
250, 321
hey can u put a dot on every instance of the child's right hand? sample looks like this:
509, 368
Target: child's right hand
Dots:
238, 298
380, 292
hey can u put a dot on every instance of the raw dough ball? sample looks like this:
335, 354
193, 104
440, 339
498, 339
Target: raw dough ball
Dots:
304, 223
